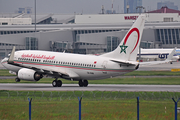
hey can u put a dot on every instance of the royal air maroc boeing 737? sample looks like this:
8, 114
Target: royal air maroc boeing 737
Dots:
32, 65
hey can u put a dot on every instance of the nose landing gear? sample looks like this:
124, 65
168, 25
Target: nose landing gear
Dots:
17, 80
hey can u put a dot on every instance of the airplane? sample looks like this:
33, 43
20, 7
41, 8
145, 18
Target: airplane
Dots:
32, 65
159, 53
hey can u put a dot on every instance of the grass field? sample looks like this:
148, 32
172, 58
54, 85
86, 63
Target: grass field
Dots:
132, 80
134, 73
91, 110
173, 78
5, 72
124, 108
95, 104
153, 73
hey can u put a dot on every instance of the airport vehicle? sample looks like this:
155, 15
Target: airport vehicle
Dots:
32, 65
159, 53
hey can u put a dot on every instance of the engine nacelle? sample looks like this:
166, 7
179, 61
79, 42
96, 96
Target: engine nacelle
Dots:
29, 75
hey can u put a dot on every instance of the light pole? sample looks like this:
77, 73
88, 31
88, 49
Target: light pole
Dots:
127, 8
35, 13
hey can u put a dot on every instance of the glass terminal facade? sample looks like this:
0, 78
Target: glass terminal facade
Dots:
31, 43
168, 36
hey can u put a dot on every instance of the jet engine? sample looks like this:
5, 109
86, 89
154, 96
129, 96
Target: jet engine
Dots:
29, 75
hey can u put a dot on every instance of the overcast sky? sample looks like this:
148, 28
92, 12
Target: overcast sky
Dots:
71, 6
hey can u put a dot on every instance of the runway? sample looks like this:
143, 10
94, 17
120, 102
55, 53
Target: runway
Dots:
91, 87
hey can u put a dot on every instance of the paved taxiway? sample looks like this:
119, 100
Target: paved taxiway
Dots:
91, 87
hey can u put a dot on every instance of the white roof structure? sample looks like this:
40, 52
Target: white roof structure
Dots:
125, 18
42, 18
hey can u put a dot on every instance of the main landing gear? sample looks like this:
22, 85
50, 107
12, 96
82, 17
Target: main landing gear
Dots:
17, 80
57, 83
83, 83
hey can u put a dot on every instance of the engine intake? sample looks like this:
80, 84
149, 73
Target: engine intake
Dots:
29, 75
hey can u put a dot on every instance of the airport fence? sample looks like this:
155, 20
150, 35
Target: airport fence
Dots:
109, 105
86, 95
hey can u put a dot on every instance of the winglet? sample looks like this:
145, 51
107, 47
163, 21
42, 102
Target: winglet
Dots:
171, 55
11, 58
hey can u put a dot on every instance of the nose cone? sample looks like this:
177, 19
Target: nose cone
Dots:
3, 61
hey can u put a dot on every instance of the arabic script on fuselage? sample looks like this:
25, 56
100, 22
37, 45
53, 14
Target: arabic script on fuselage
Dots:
37, 56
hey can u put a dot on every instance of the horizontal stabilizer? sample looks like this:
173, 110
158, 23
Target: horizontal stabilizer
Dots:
125, 62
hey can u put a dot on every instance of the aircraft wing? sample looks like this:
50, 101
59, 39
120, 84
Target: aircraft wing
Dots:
169, 59
55, 71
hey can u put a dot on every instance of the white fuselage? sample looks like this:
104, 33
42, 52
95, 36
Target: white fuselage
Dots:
76, 65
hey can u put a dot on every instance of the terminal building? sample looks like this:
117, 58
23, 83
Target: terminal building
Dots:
85, 34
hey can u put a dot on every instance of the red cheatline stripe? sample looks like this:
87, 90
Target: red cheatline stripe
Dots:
75, 67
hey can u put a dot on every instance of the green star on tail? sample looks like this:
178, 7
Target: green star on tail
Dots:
123, 48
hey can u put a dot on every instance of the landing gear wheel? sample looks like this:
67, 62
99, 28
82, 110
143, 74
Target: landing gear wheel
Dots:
17, 79
81, 83
54, 83
59, 83
85, 83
